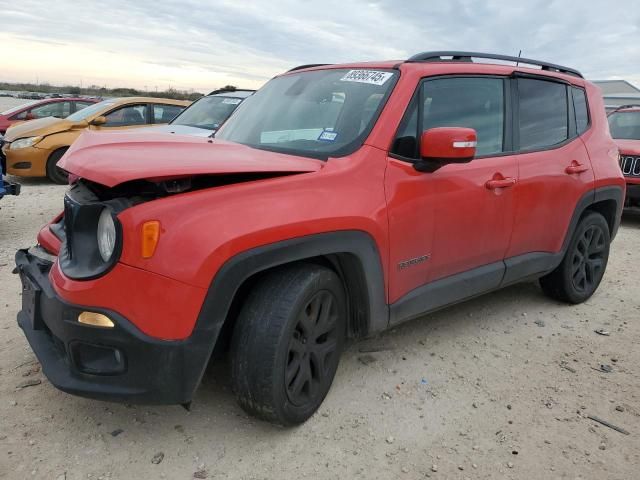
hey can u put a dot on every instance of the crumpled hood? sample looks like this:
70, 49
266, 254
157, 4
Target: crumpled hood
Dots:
175, 129
114, 158
628, 147
37, 128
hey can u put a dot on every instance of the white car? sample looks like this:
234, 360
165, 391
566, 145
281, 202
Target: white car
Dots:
205, 115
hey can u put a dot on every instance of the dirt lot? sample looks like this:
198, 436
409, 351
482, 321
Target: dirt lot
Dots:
499, 387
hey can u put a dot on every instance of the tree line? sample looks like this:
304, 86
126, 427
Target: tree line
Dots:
98, 91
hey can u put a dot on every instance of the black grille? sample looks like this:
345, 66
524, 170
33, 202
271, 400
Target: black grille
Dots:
630, 165
70, 209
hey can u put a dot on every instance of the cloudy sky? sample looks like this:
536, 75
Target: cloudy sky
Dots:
203, 44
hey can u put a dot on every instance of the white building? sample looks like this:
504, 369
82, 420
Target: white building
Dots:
618, 92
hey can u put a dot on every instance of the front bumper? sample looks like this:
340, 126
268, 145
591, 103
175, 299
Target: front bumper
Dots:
27, 162
117, 364
633, 193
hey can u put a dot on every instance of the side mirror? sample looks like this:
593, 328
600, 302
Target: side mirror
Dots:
443, 145
96, 122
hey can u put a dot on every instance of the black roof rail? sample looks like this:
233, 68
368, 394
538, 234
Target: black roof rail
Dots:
631, 105
225, 90
469, 56
310, 65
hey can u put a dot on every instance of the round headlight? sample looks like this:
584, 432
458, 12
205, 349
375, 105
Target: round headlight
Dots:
106, 234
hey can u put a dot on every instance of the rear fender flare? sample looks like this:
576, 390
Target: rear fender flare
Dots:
591, 198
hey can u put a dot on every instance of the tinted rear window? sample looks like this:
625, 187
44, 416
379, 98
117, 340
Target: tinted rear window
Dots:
543, 113
580, 107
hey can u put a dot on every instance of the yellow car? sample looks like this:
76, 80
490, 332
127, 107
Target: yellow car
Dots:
32, 149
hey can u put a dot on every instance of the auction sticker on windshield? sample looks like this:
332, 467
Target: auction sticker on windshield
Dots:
372, 77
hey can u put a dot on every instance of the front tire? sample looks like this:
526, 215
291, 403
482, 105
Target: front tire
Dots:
286, 345
54, 173
584, 263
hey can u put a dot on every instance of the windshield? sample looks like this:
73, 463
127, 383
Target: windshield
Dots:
318, 114
208, 112
19, 107
625, 125
90, 111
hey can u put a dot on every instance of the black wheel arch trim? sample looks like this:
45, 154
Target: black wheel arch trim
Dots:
358, 245
615, 193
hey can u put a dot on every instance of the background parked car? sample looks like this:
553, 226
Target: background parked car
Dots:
205, 115
51, 107
34, 148
624, 125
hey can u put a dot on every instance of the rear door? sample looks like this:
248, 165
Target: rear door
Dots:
163, 113
451, 221
555, 169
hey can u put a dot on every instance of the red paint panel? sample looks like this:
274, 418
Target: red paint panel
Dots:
116, 157
159, 306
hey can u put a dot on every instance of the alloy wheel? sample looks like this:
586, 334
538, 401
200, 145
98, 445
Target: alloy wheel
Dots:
588, 259
313, 349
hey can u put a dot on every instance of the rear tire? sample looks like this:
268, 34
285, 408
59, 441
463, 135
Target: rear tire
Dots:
54, 173
584, 263
287, 342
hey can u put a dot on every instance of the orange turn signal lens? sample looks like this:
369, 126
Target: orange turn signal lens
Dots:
150, 237
95, 319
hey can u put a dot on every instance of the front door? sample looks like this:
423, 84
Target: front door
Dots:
459, 218
125, 117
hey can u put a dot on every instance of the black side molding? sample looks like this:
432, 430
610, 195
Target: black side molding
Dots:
447, 291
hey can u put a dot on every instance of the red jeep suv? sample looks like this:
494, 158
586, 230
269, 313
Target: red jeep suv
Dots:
624, 124
336, 202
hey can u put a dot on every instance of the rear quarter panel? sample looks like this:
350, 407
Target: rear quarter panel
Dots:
603, 151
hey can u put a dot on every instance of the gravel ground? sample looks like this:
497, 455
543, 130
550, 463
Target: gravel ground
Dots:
498, 387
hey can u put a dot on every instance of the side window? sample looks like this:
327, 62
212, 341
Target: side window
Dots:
165, 113
57, 109
406, 141
126, 116
20, 116
472, 102
580, 107
543, 113
81, 105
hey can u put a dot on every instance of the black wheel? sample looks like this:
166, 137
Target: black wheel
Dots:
584, 264
55, 174
287, 343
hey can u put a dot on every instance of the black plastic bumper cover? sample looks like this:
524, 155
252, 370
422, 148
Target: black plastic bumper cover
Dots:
153, 371
633, 192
